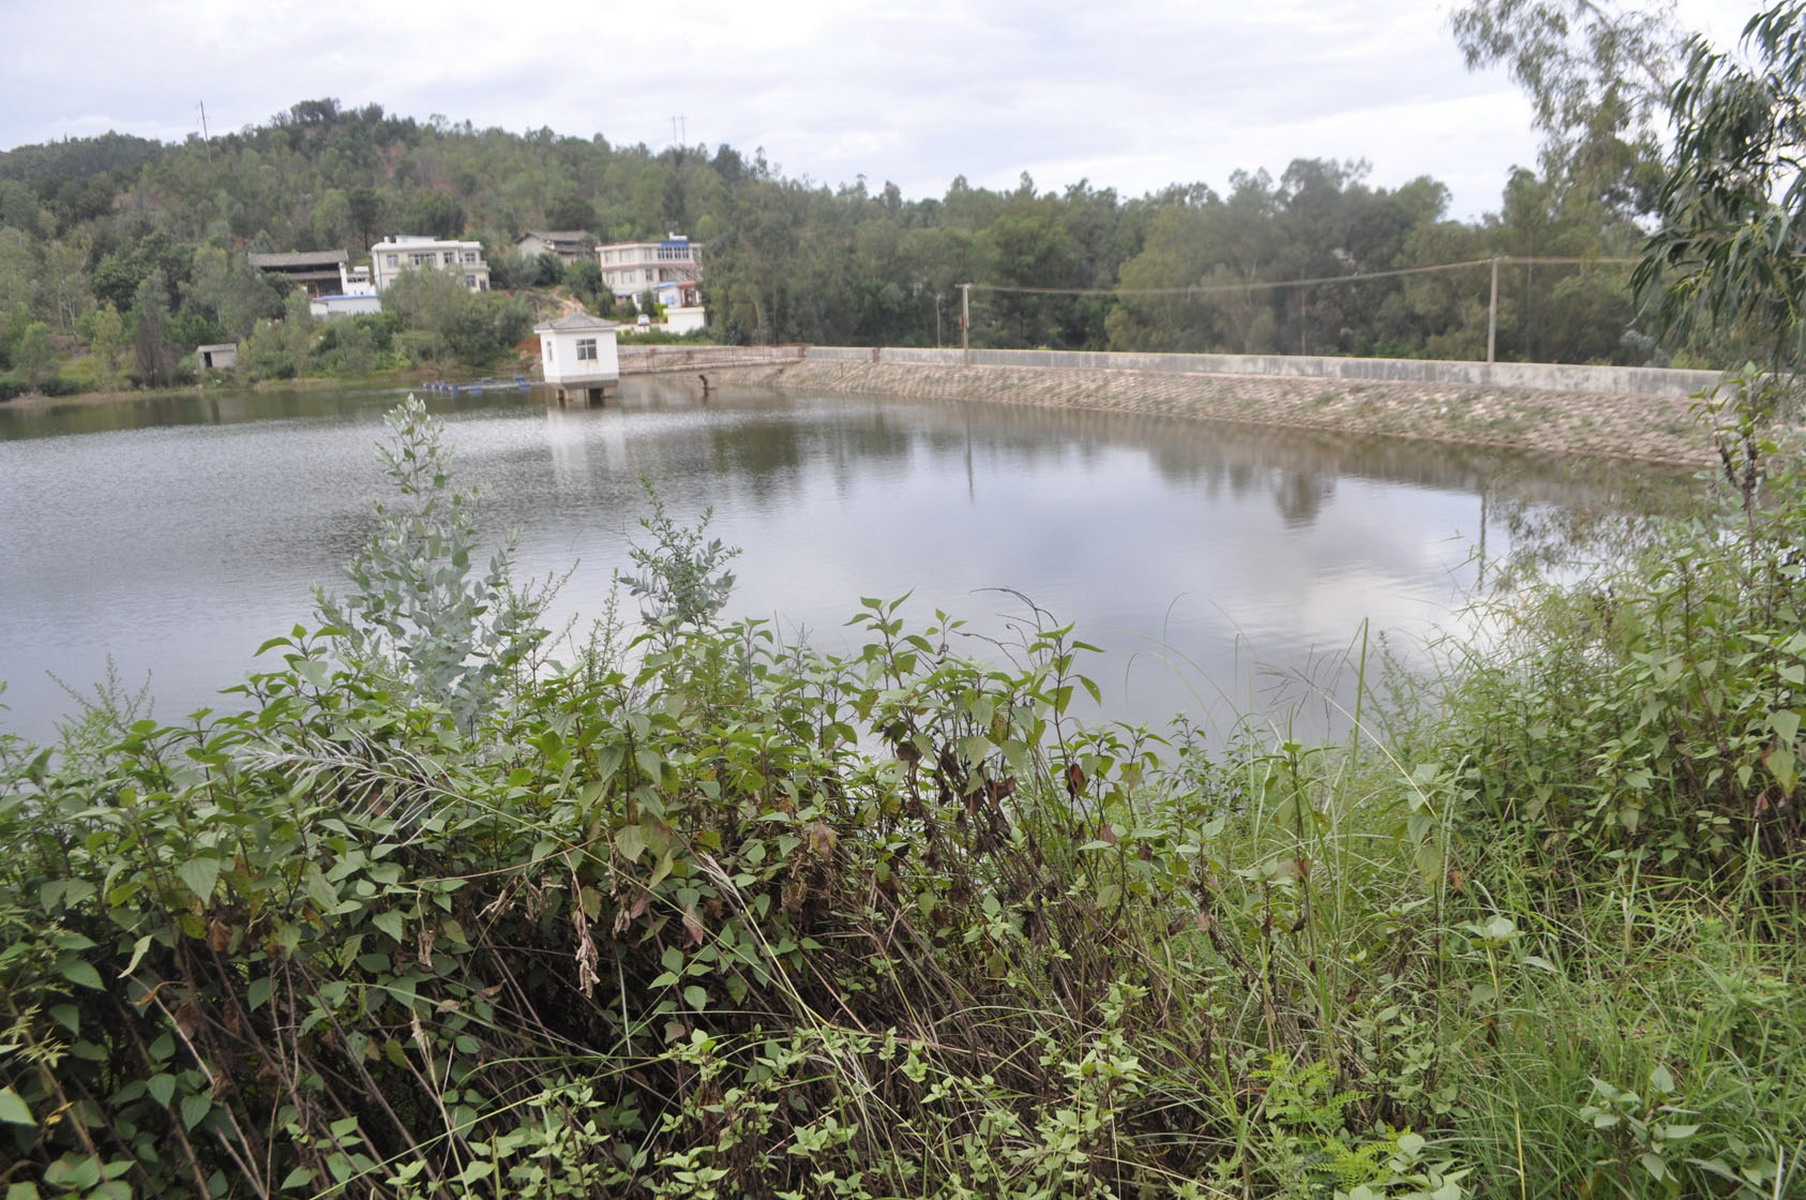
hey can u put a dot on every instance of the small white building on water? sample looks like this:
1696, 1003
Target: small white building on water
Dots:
577, 353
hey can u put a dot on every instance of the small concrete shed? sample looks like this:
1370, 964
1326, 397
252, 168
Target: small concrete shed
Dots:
217, 358
577, 353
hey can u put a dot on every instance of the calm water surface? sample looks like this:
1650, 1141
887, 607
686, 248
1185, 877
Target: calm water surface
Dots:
1224, 568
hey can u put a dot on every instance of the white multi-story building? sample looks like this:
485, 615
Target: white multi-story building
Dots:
630, 269
408, 252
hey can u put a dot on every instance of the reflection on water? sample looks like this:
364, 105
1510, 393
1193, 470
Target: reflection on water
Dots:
174, 536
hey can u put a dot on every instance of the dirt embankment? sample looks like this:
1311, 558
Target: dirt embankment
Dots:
1660, 429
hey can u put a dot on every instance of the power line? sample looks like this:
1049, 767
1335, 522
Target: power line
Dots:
1269, 285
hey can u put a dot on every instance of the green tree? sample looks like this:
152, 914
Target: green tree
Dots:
107, 342
18, 271
156, 357
365, 207
1597, 75
1729, 259
330, 222
584, 278
435, 214
1177, 256
34, 357
229, 292
18, 206
570, 211
63, 293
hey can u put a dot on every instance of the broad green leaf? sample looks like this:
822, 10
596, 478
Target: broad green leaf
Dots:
81, 973
138, 949
1784, 766
631, 842
389, 922
974, 748
162, 1088
13, 1109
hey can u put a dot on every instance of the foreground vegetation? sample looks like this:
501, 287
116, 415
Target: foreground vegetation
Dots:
695, 913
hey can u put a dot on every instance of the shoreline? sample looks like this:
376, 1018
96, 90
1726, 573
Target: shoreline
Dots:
1665, 430
37, 401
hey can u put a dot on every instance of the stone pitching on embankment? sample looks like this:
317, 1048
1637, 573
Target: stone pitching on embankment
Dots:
1661, 429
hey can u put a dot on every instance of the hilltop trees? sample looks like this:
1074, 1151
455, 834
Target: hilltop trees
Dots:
83, 225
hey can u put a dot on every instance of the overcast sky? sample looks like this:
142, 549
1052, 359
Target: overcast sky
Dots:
1130, 94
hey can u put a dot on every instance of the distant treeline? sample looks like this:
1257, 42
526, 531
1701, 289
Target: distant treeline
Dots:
118, 254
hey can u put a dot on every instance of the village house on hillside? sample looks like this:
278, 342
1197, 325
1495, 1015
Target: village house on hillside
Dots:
568, 246
334, 288
316, 272
631, 269
409, 252
670, 269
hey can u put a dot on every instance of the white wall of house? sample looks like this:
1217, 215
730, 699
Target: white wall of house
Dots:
345, 306
355, 281
579, 355
408, 252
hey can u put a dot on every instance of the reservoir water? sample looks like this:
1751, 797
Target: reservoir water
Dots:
1225, 569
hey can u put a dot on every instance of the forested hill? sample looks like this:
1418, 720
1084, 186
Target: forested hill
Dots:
85, 223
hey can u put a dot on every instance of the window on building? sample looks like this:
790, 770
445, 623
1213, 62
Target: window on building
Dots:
451, 256
394, 260
586, 349
470, 281
471, 256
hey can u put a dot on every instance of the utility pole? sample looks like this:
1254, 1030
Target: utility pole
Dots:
1492, 314
965, 324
